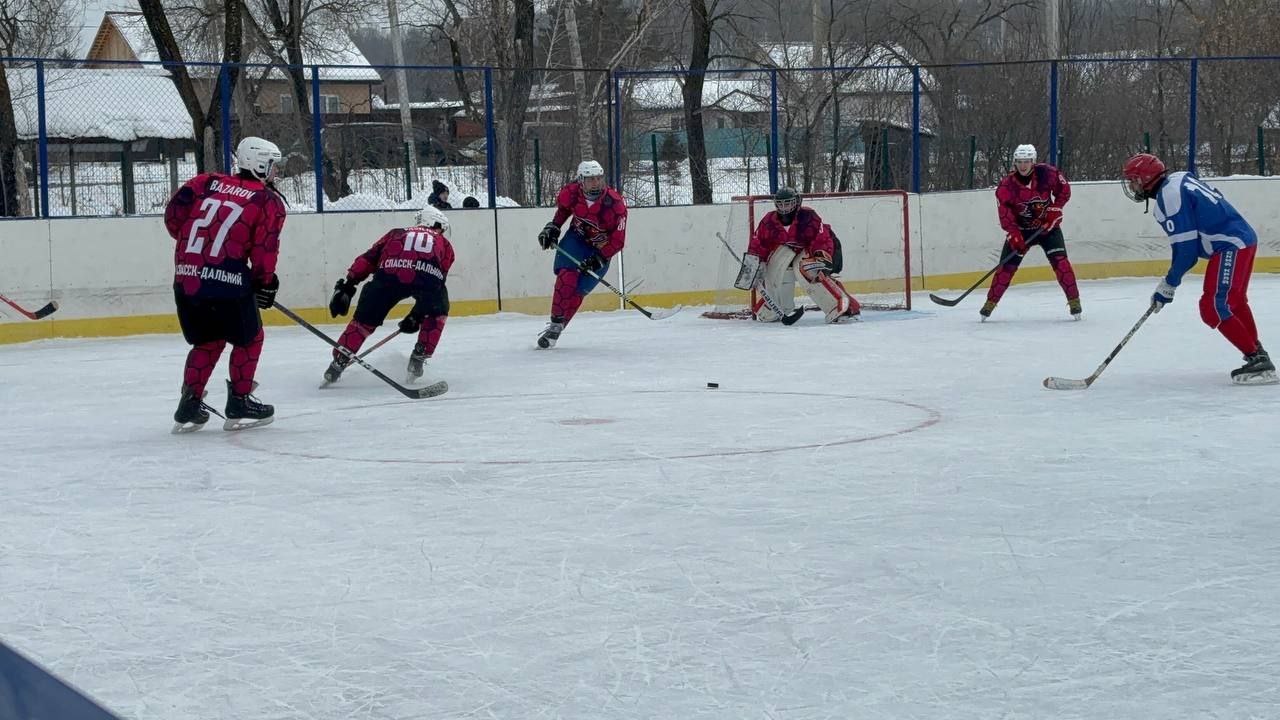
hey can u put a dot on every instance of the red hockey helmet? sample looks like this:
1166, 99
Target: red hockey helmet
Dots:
1142, 175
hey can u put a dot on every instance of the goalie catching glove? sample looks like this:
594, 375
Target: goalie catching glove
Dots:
549, 236
749, 274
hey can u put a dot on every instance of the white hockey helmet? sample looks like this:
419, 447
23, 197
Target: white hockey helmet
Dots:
590, 168
260, 157
1024, 152
431, 217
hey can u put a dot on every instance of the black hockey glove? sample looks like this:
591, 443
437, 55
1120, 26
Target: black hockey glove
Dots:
264, 291
410, 324
340, 303
592, 263
549, 236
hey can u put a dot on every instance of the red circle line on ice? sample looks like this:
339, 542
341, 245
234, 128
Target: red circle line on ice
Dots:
929, 417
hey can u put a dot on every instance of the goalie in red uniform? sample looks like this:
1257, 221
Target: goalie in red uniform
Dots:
406, 262
597, 232
227, 229
792, 242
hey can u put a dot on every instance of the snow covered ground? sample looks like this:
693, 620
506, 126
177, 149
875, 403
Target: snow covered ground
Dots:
891, 519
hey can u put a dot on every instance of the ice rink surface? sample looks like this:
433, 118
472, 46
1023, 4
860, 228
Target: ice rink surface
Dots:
891, 519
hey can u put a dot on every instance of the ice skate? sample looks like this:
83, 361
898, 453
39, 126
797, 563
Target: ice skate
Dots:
1074, 306
416, 360
548, 338
987, 308
1257, 370
245, 411
333, 373
191, 414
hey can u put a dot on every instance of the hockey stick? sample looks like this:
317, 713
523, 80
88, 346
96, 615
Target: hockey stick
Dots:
784, 318
652, 315
391, 336
432, 390
44, 312
1057, 383
992, 271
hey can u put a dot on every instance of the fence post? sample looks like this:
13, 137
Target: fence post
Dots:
973, 157
886, 182
490, 139
1062, 154
915, 129
71, 174
43, 141
1191, 126
1262, 156
1053, 113
126, 176
653, 161
1146, 141
408, 172
317, 153
773, 131
537, 165
224, 95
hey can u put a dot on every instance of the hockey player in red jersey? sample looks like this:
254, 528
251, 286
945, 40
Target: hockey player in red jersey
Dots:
597, 232
792, 241
405, 263
227, 229
1030, 200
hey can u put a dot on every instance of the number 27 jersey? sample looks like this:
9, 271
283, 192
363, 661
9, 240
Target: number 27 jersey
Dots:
227, 233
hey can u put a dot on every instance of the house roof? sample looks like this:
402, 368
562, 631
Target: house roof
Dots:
339, 51
118, 103
896, 77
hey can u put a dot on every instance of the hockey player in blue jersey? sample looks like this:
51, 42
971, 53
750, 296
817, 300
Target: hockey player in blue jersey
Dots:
1202, 224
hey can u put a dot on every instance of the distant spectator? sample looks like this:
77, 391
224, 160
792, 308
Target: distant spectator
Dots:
439, 196
470, 202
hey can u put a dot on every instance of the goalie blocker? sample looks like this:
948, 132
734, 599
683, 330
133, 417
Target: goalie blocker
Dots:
798, 246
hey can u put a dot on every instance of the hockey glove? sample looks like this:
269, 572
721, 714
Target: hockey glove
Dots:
340, 303
1162, 296
410, 324
549, 235
264, 291
1051, 219
1016, 242
591, 264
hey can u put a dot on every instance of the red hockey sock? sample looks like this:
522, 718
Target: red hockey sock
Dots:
1066, 275
565, 299
1004, 276
244, 363
200, 363
352, 338
1237, 333
429, 335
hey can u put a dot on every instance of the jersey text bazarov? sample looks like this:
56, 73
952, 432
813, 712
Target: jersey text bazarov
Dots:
222, 224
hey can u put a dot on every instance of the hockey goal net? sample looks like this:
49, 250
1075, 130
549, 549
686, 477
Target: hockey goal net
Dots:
875, 241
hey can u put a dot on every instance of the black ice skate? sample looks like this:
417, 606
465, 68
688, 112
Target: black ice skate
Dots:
191, 414
987, 308
245, 411
1074, 306
549, 336
333, 373
416, 359
1257, 370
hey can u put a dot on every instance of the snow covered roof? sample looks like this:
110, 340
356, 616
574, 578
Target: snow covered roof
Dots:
896, 79
120, 104
735, 95
338, 50
379, 104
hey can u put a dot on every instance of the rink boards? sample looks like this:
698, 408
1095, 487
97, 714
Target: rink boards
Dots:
112, 276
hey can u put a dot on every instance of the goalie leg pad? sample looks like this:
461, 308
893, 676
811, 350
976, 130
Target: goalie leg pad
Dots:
826, 291
779, 283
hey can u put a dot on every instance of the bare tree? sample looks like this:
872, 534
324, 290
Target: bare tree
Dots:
30, 28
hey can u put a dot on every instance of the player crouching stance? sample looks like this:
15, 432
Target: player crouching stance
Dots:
227, 229
597, 232
1202, 224
793, 241
406, 262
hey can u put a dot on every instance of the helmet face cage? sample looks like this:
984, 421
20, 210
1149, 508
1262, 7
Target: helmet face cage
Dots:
591, 176
786, 201
1141, 176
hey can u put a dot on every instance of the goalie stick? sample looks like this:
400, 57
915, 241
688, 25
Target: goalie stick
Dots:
992, 271
432, 390
1057, 383
44, 312
785, 318
651, 314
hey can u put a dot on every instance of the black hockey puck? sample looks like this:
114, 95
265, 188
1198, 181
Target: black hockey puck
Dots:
713, 385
